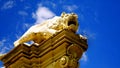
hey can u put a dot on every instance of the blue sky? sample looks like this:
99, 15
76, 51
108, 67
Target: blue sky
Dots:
99, 20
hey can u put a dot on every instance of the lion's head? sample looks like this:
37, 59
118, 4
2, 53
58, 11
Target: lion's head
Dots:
65, 21
71, 21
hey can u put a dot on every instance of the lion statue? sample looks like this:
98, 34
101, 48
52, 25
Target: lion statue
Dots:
46, 29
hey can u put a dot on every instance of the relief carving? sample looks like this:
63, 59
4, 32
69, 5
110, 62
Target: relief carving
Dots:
46, 29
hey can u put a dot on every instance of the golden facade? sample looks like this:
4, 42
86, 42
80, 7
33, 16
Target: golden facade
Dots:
62, 50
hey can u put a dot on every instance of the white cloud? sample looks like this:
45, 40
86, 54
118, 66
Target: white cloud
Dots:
26, 26
42, 14
17, 35
70, 7
4, 46
89, 34
2, 67
8, 5
23, 13
3, 50
2, 42
84, 57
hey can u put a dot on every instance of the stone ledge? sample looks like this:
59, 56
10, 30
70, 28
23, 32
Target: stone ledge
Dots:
46, 52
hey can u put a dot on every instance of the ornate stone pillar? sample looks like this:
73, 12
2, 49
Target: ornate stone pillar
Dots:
62, 50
